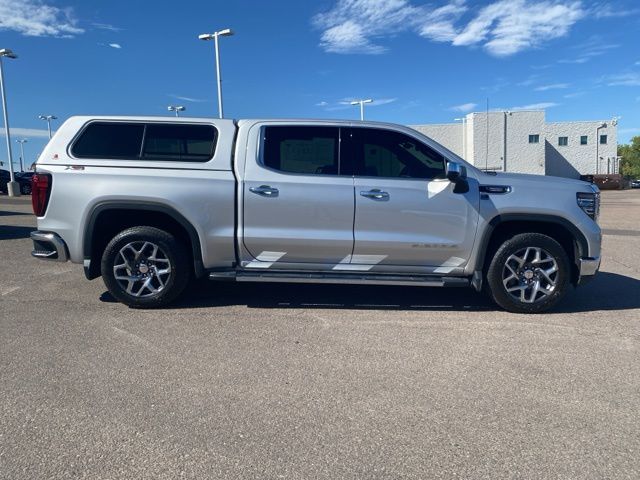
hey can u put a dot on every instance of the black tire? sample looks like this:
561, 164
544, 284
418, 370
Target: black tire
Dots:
144, 268
503, 267
25, 189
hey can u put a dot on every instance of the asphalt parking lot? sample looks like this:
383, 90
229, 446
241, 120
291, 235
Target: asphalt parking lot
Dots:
303, 381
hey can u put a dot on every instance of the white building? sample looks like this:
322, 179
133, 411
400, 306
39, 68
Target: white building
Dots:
522, 142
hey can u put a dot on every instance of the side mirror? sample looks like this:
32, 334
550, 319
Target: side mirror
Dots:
457, 174
454, 172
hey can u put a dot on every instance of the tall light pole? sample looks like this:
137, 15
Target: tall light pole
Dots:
361, 103
12, 187
48, 119
214, 36
22, 141
176, 108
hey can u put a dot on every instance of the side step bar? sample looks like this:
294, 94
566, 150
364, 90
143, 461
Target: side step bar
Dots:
354, 279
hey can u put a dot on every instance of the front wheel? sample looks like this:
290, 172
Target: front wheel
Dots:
529, 273
145, 267
25, 189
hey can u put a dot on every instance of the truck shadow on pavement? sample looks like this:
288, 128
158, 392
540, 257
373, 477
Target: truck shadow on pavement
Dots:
7, 213
12, 232
608, 291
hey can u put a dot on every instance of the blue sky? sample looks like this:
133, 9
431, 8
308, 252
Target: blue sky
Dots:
420, 62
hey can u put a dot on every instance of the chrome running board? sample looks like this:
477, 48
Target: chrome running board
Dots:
343, 278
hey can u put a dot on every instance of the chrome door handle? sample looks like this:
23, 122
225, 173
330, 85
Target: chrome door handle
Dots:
265, 191
375, 194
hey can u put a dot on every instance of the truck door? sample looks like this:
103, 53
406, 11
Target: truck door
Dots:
406, 211
298, 199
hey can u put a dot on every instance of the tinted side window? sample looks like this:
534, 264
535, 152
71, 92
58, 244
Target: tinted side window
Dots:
109, 140
187, 143
383, 153
303, 150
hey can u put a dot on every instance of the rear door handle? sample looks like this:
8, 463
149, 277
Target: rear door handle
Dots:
375, 194
265, 191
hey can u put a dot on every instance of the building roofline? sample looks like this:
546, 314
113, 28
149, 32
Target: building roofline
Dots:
608, 122
507, 110
436, 125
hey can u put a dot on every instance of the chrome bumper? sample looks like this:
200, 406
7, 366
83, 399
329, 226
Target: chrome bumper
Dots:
587, 268
49, 246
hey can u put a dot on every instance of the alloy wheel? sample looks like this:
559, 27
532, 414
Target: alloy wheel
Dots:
530, 275
142, 269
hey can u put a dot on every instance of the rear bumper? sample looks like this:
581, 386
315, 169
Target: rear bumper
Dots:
587, 269
49, 246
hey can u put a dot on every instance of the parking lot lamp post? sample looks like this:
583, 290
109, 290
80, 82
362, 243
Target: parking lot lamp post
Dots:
214, 36
12, 187
361, 103
48, 119
22, 141
177, 109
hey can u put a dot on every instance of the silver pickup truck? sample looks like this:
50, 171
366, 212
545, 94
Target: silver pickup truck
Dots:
147, 203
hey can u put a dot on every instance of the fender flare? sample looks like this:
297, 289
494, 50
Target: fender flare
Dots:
581, 241
87, 241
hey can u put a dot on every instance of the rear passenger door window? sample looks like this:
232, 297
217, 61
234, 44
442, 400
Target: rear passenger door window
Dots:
305, 150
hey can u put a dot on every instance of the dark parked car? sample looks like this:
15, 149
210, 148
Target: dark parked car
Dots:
23, 179
635, 183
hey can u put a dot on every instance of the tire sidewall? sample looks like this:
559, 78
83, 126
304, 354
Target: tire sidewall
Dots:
511, 246
172, 248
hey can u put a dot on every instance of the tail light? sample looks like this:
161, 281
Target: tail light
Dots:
40, 191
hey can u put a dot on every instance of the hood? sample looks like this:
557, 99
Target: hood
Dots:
534, 180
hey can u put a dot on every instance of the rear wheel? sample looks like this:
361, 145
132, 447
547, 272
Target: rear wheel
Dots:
145, 267
529, 273
25, 189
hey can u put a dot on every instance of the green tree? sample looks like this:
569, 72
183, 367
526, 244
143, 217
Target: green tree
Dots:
630, 163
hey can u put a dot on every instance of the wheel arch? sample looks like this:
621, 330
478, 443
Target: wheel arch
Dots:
108, 218
560, 229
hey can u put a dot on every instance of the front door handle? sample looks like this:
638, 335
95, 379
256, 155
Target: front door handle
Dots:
265, 191
375, 194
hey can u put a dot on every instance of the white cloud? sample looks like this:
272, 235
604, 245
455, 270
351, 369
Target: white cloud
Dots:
106, 26
188, 99
553, 86
574, 94
503, 28
352, 24
345, 103
465, 107
34, 18
530, 80
594, 47
382, 101
117, 46
439, 24
606, 10
536, 106
631, 79
26, 132
509, 26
